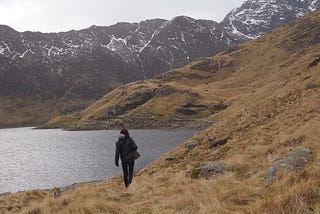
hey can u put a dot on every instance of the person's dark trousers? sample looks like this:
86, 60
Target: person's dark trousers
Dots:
127, 173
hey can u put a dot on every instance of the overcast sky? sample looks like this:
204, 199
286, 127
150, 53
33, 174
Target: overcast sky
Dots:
64, 15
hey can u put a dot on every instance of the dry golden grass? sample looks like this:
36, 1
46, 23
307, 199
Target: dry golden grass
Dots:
18, 110
34, 111
162, 187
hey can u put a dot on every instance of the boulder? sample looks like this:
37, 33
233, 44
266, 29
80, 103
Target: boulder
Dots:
312, 85
191, 144
56, 192
219, 107
293, 160
170, 158
208, 169
314, 63
218, 141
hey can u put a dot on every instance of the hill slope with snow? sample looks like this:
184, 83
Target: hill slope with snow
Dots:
43, 75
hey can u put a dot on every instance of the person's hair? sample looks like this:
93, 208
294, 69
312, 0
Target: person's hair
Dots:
125, 132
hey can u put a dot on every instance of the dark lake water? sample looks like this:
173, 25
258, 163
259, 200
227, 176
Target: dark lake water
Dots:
40, 159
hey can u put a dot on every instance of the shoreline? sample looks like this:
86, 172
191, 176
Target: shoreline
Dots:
19, 125
130, 124
61, 188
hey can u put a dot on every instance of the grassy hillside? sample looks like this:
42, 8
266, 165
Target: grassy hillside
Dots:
195, 95
264, 96
28, 111
185, 96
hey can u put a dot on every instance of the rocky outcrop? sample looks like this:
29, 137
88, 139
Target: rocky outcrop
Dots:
192, 109
312, 85
170, 158
314, 63
191, 144
207, 170
207, 65
219, 141
293, 160
133, 100
164, 90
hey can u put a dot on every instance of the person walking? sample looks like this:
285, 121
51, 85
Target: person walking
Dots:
125, 148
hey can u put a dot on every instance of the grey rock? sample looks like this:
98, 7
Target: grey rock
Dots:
219, 141
219, 107
314, 63
191, 144
186, 111
56, 192
312, 85
5, 194
170, 158
215, 152
208, 169
293, 160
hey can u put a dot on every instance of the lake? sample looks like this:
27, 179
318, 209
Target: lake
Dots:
40, 159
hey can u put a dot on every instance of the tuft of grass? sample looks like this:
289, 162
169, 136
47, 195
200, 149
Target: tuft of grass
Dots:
36, 210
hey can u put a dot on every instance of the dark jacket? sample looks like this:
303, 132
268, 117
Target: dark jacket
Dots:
124, 148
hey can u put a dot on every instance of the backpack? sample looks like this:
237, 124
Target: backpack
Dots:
136, 154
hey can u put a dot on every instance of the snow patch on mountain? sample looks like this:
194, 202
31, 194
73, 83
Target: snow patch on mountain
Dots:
312, 6
2, 50
256, 17
5, 49
154, 34
116, 43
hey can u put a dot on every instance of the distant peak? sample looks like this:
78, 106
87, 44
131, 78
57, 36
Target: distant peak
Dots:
7, 28
257, 17
183, 21
182, 17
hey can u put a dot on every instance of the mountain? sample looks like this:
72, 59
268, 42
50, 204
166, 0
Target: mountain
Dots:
263, 99
153, 103
64, 72
43, 75
257, 17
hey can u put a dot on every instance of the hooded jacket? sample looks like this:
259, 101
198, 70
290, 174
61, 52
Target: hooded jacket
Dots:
124, 148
